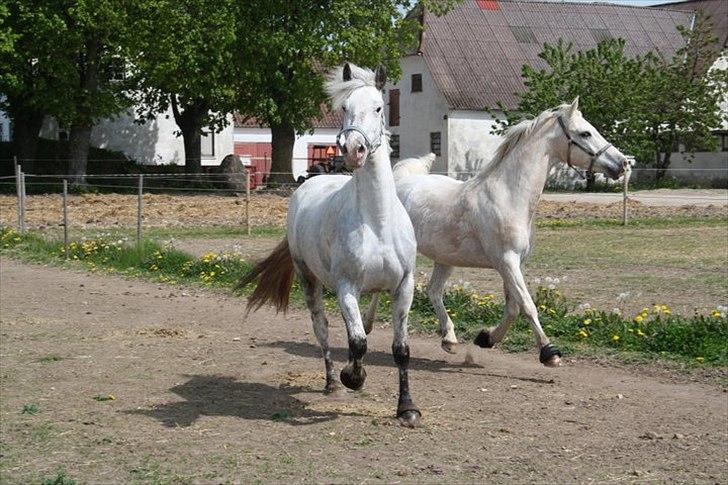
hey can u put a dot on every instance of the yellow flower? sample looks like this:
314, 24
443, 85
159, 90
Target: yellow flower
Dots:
700, 359
587, 321
583, 334
615, 338
715, 313
630, 330
638, 319
640, 333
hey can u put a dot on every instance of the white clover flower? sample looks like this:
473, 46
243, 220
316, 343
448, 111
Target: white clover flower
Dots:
565, 278
537, 281
552, 286
556, 281
616, 311
548, 280
623, 296
584, 306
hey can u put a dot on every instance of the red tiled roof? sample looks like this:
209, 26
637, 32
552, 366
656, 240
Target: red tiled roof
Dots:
327, 119
475, 54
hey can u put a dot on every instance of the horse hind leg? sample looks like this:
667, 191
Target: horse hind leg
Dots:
313, 292
494, 335
371, 314
407, 413
435, 288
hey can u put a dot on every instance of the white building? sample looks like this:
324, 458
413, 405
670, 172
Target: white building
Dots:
471, 59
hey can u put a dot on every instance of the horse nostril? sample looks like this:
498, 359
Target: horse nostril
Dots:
361, 149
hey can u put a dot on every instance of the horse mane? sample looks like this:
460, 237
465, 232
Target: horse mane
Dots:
339, 90
521, 132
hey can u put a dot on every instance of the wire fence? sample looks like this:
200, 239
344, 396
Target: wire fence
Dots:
159, 199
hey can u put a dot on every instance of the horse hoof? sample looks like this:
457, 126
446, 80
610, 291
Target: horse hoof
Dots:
550, 356
353, 380
483, 340
332, 388
449, 347
410, 418
368, 328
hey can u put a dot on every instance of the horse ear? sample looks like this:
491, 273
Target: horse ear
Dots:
380, 77
574, 106
347, 72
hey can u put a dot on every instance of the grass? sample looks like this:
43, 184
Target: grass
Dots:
654, 332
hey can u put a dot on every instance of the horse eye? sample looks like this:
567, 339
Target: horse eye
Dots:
585, 134
343, 108
379, 110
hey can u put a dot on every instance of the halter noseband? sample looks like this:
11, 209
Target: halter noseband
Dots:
585, 149
371, 146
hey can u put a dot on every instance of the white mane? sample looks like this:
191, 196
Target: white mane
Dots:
339, 90
520, 132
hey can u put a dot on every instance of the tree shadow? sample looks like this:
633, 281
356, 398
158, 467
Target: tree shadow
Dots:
207, 395
372, 357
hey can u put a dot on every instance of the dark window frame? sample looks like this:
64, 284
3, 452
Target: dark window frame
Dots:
394, 145
394, 113
416, 83
436, 142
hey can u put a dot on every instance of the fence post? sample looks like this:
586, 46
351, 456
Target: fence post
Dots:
23, 200
19, 190
247, 200
140, 205
625, 196
65, 218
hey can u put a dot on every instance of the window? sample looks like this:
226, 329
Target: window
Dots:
207, 144
394, 144
723, 142
600, 35
435, 143
394, 107
416, 83
524, 35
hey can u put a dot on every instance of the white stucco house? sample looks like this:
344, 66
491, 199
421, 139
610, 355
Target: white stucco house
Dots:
471, 59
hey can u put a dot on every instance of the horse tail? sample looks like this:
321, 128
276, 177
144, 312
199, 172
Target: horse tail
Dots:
413, 166
273, 277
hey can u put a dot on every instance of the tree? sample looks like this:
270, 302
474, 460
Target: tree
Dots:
184, 62
645, 105
285, 48
60, 65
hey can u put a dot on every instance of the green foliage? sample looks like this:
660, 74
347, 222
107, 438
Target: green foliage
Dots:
646, 105
31, 409
655, 331
61, 478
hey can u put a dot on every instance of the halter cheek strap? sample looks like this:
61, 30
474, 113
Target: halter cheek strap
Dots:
572, 141
371, 146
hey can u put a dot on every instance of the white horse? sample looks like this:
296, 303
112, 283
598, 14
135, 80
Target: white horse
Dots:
351, 234
487, 221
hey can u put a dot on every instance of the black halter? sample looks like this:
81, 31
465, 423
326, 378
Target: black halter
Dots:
585, 149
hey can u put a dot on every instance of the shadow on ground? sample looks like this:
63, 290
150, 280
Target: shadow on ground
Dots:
207, 395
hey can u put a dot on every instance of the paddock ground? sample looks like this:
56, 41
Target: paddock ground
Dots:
203, 397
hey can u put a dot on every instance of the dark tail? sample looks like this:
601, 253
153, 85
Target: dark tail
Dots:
273, 277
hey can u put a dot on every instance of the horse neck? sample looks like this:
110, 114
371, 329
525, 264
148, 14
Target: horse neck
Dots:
521, 175
375, 190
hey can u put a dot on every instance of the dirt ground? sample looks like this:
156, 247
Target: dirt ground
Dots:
268, 209
203, 397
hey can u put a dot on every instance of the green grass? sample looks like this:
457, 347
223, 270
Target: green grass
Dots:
654, 332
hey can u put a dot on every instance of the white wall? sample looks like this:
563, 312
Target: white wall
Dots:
5, 124
419, 113
320, 136
471, 144
154, 142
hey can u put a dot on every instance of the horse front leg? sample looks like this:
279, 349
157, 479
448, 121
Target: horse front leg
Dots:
313, 292
513, 280
407, 413
353, 374
371, 314
435, 288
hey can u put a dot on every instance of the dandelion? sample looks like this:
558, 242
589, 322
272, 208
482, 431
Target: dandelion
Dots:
615, 338
582, 334
638, 319
587, 321
640, 332
700, 359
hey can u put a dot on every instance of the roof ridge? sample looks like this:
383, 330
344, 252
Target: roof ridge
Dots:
605, 2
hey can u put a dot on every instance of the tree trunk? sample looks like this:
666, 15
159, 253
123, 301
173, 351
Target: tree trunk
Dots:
26, 127
189, 120
663, 165
591, 179
283, 136
79, 141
